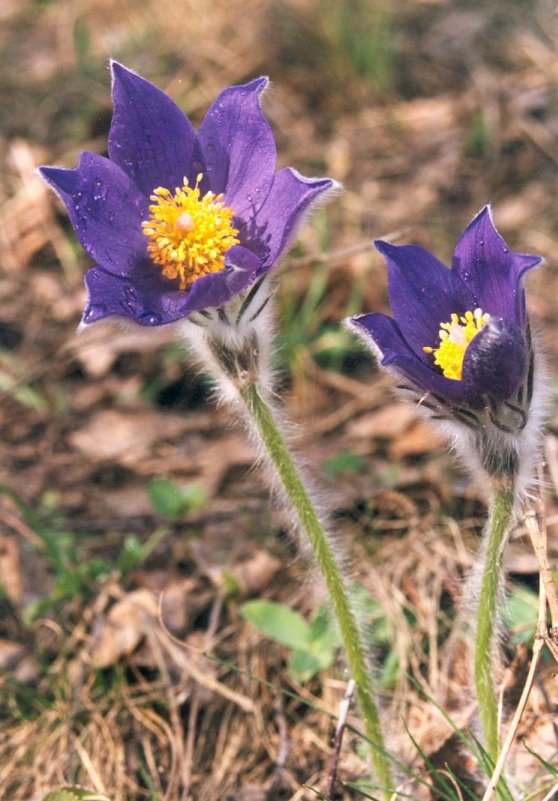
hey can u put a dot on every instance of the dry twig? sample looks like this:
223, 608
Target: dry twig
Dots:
338, 740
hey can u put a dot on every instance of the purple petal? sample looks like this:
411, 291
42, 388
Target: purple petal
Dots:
147, 298
495, 362
105, 209
150, 137
493, 273
216, 289
277, 222
238, 148
397, 354
423, 293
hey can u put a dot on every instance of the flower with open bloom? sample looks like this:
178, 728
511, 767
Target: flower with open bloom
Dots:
178, 222
460, 337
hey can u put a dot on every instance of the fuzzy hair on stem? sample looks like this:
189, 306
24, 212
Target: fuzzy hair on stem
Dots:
233, 345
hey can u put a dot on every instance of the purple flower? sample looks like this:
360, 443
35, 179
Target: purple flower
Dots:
459, 336
178, 222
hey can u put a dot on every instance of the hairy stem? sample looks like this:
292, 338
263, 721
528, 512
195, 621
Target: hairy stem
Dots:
311, 525
501, 514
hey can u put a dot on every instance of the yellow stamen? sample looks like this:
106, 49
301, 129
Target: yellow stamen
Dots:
455, 338
189, 235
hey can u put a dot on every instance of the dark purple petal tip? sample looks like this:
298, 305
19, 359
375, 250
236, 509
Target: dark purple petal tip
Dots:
152, 144
491, 271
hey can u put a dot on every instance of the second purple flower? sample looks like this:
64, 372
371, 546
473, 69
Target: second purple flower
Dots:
460, 339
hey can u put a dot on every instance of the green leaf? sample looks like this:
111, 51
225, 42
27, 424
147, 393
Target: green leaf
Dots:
278, 622
134, 551
95, 568
131, 555
170, 500
303, 665
521, 614
376, 624
390, 672
324, 636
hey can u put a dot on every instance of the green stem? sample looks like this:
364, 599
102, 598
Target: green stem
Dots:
309, 521
487, 617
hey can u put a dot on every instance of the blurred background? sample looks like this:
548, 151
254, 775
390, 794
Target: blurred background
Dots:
119, 479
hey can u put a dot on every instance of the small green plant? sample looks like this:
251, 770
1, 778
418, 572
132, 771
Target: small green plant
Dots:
73, 575
521, 613
378, 635
172, 501
344, 462
14, 382
134, 551
361, 37
75, 794
312, 645
306, 334
75, 572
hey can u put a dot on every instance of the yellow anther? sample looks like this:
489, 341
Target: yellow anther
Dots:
455, 337
188, 234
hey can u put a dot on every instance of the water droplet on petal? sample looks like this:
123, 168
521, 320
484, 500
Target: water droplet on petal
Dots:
131, 166
94, 312
149, 318
99, 189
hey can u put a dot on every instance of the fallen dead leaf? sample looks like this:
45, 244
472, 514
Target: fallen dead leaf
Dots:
98, 351
126, 437
418, 439
16, 659
10, 653
174, 602
10, 569
389, 421
254, 574
125, 625
219, 457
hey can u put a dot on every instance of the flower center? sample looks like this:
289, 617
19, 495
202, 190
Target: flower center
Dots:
189, 235
455, 338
